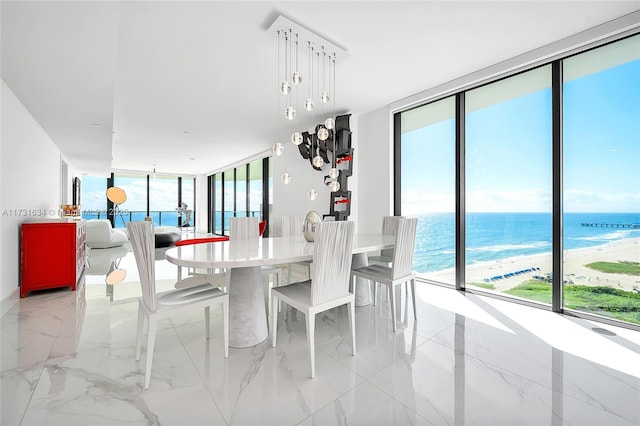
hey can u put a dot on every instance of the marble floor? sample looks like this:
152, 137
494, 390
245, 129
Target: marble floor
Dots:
68, 359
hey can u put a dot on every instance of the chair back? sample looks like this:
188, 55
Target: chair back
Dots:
292, 226
389, 227
143, 244
243, 228
333, 249
405, 245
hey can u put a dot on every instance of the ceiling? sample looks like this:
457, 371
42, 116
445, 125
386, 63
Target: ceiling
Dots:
190, 87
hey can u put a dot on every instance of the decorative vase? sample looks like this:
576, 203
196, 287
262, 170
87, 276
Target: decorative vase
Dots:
309, 227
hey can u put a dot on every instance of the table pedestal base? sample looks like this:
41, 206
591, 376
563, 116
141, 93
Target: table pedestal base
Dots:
247, 315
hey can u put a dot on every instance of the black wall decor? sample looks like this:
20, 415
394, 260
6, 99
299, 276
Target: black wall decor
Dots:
311, 146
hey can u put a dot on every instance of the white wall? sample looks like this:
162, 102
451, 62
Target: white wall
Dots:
375, 170
30, 181
291, 199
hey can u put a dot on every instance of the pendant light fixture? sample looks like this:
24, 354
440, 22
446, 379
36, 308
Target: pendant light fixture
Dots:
296, 77
325, 93
290, 111
289, 37
278, 148
285, 87
308, 103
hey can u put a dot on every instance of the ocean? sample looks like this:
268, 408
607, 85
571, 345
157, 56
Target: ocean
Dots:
495, 236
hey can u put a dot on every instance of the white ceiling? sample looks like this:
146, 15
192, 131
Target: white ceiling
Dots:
191, 86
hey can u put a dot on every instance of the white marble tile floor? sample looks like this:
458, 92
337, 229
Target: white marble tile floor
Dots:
68, 358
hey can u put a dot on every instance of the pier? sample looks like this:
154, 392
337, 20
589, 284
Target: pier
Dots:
611, 225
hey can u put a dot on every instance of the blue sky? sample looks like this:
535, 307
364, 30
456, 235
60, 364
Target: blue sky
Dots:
509, 151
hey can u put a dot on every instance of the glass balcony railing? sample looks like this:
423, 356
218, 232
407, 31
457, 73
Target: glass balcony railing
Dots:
159, 217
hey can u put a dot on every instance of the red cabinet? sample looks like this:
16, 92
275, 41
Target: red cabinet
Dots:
53, 255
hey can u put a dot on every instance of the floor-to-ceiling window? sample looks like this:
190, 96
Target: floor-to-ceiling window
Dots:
602, 181
229, 183
94, 200
509, 185
255, 188
135, 207
163, 200
240, 191
159, 199
544, 162
218, 207
428, 186
188, 198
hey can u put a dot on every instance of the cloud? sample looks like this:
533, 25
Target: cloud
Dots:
593, 202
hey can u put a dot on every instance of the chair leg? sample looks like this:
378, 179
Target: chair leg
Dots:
311, 326
151, 341
352, 324
392, 298
375, 293
413, 295
266, 286
140, 331
225, 325
278, 283
274, 319
206, 322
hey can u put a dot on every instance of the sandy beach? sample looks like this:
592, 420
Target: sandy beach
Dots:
574, 270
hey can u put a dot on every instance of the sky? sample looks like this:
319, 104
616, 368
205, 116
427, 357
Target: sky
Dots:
508, 152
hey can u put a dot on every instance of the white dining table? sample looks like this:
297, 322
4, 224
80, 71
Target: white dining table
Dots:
247, 315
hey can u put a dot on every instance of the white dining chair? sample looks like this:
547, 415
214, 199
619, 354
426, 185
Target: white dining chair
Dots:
400, 270
292, 226
246, 228
389, 227
328, 286
154, 307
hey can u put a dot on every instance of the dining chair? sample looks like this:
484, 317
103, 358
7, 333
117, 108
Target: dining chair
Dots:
400, 270
245, 228
154, 307
218, 277
292, 226
389, 227
328, 286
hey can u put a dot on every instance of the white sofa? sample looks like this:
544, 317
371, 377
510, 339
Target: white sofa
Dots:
100, 234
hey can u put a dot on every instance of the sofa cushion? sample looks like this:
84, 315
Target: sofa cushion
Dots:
100, 234
167, 235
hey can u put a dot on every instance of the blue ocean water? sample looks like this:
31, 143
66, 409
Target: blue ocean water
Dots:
494, 236
160, 218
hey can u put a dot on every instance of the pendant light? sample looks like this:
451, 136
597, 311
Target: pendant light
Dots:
308, 103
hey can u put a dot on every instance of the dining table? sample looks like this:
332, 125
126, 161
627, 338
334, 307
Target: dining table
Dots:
244, 259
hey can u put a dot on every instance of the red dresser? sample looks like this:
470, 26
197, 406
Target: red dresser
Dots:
53, 255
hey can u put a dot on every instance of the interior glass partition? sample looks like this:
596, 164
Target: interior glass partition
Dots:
428, 186
509, 186
601, 196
